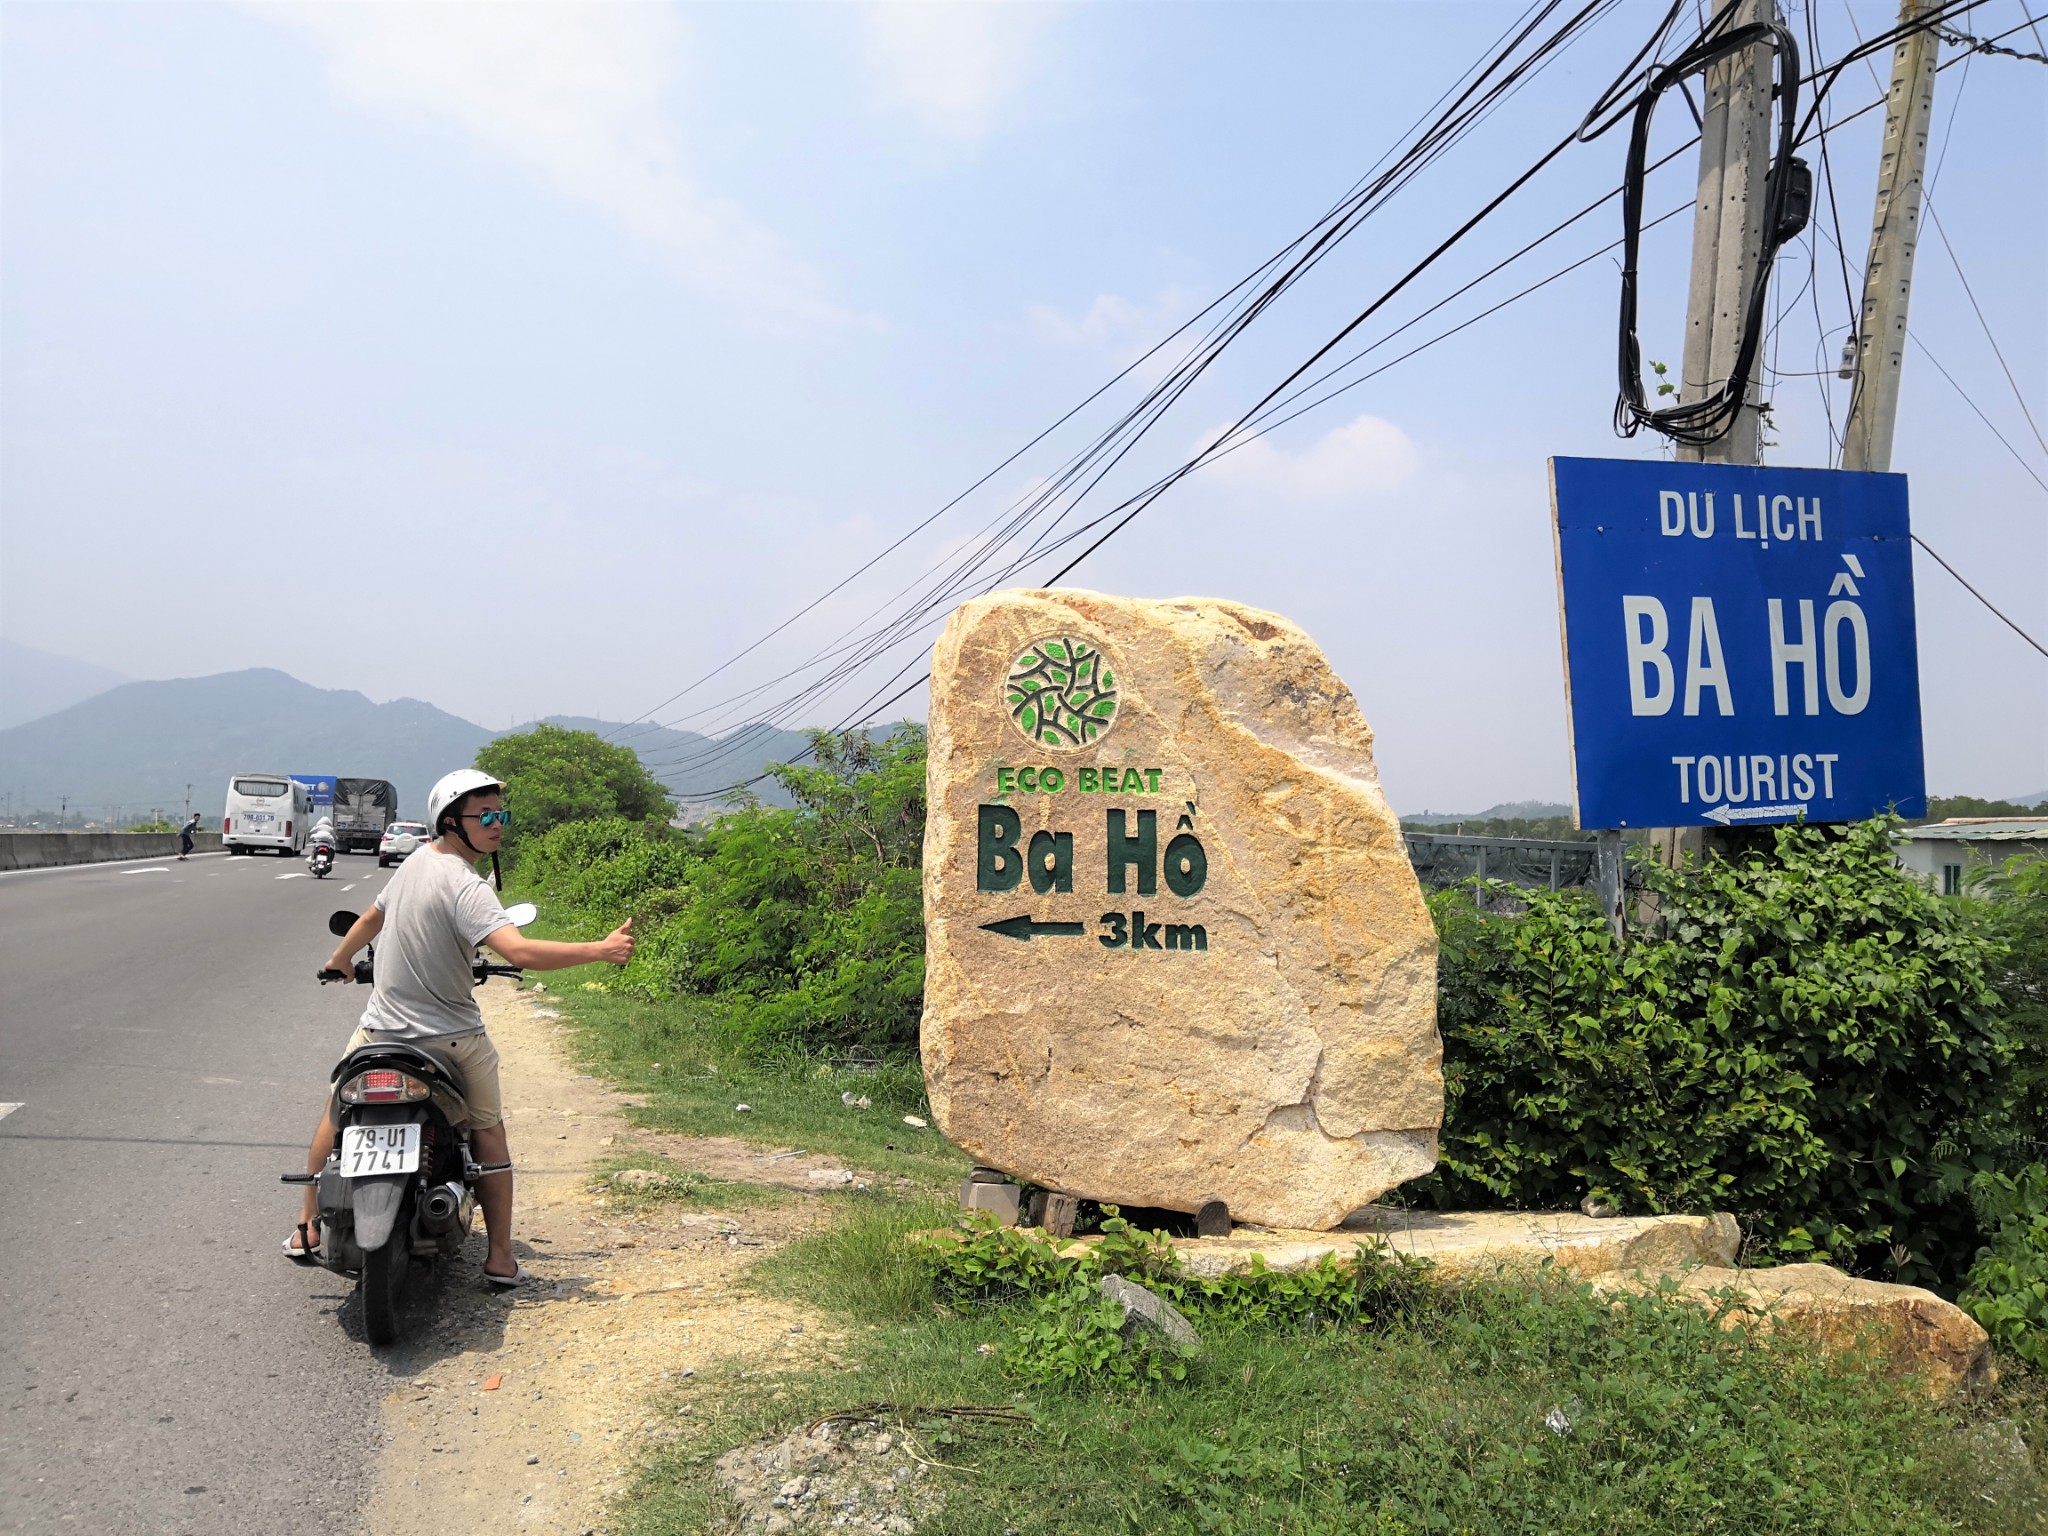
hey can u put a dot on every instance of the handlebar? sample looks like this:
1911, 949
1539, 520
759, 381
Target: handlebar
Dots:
483, 971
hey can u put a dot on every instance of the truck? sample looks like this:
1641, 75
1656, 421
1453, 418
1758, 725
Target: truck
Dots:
363, 808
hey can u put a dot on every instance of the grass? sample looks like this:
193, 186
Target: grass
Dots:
1431, 1422
669, 1051
673, 1185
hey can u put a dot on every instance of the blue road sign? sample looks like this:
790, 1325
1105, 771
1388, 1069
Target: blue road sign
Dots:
1739, 643
319, 789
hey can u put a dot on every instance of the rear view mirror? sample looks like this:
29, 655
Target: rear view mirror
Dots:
520, 913
340, 923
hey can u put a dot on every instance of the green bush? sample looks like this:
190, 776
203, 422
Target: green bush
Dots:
808, 921
2010, 900
2007, 1291
1809, 1039
1068, 1334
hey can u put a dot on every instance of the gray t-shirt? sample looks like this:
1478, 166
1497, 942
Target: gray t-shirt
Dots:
436, 911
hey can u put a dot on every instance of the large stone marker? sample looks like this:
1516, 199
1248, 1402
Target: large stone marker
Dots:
1176, 952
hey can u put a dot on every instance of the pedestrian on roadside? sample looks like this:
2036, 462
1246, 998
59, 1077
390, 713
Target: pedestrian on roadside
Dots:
429, 921
185, 834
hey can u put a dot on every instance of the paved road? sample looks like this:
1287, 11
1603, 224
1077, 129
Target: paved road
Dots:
162, 1367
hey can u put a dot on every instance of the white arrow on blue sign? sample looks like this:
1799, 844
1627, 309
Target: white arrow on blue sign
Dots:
1739, 643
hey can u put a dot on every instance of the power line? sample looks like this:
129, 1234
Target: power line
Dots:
1224, 446
1978, 595
1992, 426
1137, 504
1972, 404
884, 639
1345, 209
2018, 394
1003, 531
1982, 45
1449, 127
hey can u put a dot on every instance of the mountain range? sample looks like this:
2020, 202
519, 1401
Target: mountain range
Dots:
35, 683
139, 745
82, 734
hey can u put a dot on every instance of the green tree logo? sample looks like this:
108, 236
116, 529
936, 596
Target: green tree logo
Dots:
1061, 692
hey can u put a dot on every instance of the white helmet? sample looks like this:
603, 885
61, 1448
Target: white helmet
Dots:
452, 787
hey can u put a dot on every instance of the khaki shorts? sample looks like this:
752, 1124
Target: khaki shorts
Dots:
471, 1055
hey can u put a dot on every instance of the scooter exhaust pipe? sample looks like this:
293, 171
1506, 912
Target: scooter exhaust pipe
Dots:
439, 1207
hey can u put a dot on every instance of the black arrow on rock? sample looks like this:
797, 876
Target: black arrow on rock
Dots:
1026, 926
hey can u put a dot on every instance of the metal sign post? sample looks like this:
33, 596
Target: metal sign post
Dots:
1739, 643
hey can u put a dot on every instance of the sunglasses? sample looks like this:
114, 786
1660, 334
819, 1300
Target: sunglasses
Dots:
491, 818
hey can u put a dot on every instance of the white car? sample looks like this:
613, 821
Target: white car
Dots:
400, 839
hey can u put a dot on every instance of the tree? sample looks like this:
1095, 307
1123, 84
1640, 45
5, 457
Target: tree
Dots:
554, 775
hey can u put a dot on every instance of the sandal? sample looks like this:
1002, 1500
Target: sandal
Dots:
303, 1246
519, 1276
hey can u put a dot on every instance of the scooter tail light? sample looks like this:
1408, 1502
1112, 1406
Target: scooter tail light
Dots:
383, 1085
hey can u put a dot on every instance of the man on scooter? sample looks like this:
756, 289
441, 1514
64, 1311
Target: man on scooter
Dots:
320, 842
429, 920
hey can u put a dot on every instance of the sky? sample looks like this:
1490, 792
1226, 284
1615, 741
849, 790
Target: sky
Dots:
531, 359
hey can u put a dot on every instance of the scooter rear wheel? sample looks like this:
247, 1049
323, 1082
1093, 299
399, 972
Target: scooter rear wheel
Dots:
383, 1286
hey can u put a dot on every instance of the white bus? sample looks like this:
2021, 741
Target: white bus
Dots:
266, 810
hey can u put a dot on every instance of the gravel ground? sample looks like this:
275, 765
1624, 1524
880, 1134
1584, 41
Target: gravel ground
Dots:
525, 1413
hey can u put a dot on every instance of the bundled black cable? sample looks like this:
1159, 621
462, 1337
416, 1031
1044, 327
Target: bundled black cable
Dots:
1788, 195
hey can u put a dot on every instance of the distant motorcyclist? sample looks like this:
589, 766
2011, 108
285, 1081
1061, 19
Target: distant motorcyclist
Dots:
320, 846
429, 920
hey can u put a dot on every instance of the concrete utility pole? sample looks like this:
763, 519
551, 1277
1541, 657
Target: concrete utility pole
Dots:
1728, 232
1894, 233
1727, 246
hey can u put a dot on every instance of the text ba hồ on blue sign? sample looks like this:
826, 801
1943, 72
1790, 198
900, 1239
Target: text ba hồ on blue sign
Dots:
1739, 643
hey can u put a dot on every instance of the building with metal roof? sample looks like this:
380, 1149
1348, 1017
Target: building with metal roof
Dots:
1942, 851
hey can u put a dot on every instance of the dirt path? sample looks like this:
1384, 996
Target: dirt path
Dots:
627, 1305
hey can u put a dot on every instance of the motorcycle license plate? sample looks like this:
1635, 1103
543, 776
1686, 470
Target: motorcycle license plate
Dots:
368, 1149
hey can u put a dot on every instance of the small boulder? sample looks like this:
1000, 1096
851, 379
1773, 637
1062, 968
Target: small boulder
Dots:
1913, 1332
1145, 1312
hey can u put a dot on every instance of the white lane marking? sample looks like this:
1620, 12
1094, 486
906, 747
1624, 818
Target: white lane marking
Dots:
102, 866
7, 1109
295, 874
154, 869
350, 886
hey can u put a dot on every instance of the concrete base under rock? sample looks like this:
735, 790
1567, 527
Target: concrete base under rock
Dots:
1472, 1243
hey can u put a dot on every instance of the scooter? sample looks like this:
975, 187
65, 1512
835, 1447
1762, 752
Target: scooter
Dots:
400, 1183
320, 860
